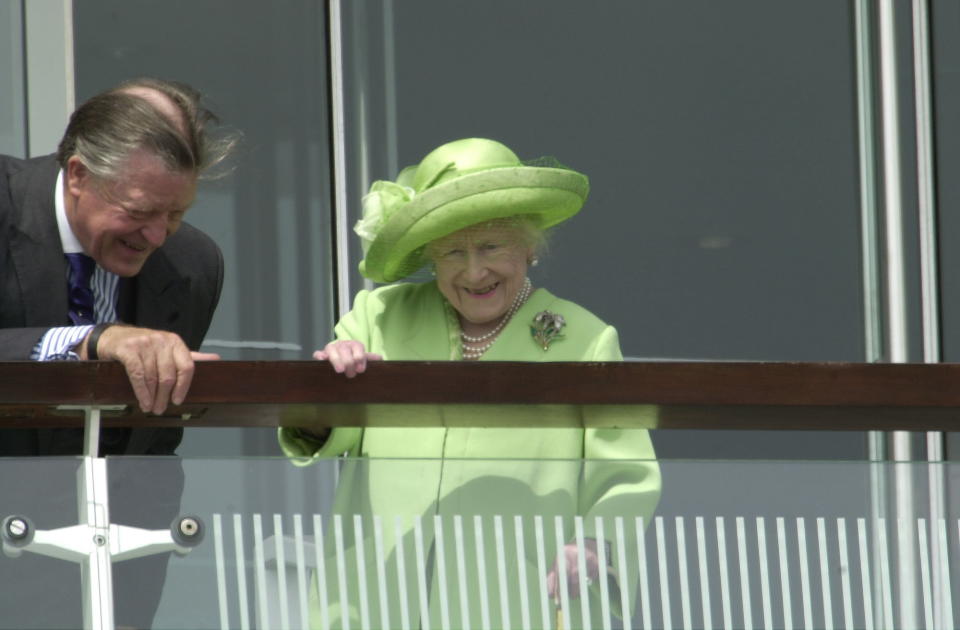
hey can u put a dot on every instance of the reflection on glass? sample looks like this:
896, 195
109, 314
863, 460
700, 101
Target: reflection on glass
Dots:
44, 492
732, 544
472, 541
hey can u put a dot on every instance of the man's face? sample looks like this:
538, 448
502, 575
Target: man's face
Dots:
120, 223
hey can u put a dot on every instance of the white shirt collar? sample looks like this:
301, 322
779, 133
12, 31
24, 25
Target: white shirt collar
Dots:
67, 238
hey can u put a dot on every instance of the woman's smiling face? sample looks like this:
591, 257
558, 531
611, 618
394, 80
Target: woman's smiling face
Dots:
480, 269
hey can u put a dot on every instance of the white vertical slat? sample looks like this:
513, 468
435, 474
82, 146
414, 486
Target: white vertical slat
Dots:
461, 571
440, 559
281, 561
879, 504
825, 574
562, 582
625, 593
764, 574
744, 573
221, 572
522, 572
422, 587
603, 561
684, 578
381, 570
906, 548
341, 557
936, 476
338, 141
724, 574
944, 551
643, 579
804, 560
925, 572
481, 571
785, 593
321, 572
361, 559
865, 577
892, 185
302, 588
845, 573
259, 572
241, 572
887, 621
868, 159
704, 574
896, 275
926, 198
541, 571
582, 573
664, 581
501, 571
402, 589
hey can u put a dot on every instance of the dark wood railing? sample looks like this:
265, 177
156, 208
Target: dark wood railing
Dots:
682, 395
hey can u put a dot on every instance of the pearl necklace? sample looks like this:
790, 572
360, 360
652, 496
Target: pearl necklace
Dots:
475, 353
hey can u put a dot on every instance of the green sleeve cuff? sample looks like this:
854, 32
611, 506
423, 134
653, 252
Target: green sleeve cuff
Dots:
303, 450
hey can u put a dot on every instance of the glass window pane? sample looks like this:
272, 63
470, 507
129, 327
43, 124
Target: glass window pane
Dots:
270, 215
263, 67
721, 144
12, 123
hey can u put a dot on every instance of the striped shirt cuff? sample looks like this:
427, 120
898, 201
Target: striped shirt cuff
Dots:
57, 344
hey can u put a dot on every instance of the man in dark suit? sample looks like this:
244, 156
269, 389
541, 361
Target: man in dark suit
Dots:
113, 198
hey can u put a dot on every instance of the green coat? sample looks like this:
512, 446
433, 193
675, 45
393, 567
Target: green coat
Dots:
404, 475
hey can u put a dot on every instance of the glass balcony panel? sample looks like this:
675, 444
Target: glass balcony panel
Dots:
39, 498
456, 543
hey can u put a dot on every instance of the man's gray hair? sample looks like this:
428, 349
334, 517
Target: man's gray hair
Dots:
106, 129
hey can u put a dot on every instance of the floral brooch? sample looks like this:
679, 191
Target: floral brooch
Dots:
546, 328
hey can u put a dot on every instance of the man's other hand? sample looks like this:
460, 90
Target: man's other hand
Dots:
158, 363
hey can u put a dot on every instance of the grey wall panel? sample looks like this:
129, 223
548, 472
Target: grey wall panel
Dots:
13, 124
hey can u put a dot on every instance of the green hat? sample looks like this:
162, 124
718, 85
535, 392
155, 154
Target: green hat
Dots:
457, 185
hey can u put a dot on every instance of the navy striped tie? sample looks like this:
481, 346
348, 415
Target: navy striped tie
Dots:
79, 291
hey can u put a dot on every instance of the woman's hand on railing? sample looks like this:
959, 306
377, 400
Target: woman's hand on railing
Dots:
570, 554
347, 357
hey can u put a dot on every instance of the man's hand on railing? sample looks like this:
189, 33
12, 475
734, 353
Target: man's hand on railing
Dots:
591, 561
158, 363
347, 357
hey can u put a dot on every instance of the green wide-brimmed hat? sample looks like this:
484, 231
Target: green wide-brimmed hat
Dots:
457, 185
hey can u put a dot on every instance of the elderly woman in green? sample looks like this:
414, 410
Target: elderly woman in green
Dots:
477, 215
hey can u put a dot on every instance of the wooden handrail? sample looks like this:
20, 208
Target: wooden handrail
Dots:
715, 395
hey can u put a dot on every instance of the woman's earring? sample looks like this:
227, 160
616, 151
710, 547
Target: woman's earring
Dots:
533, 262
433, 270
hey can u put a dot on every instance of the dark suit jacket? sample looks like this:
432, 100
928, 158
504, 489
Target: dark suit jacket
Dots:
177, 290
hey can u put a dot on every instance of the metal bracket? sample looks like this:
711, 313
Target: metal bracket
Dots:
95, 543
